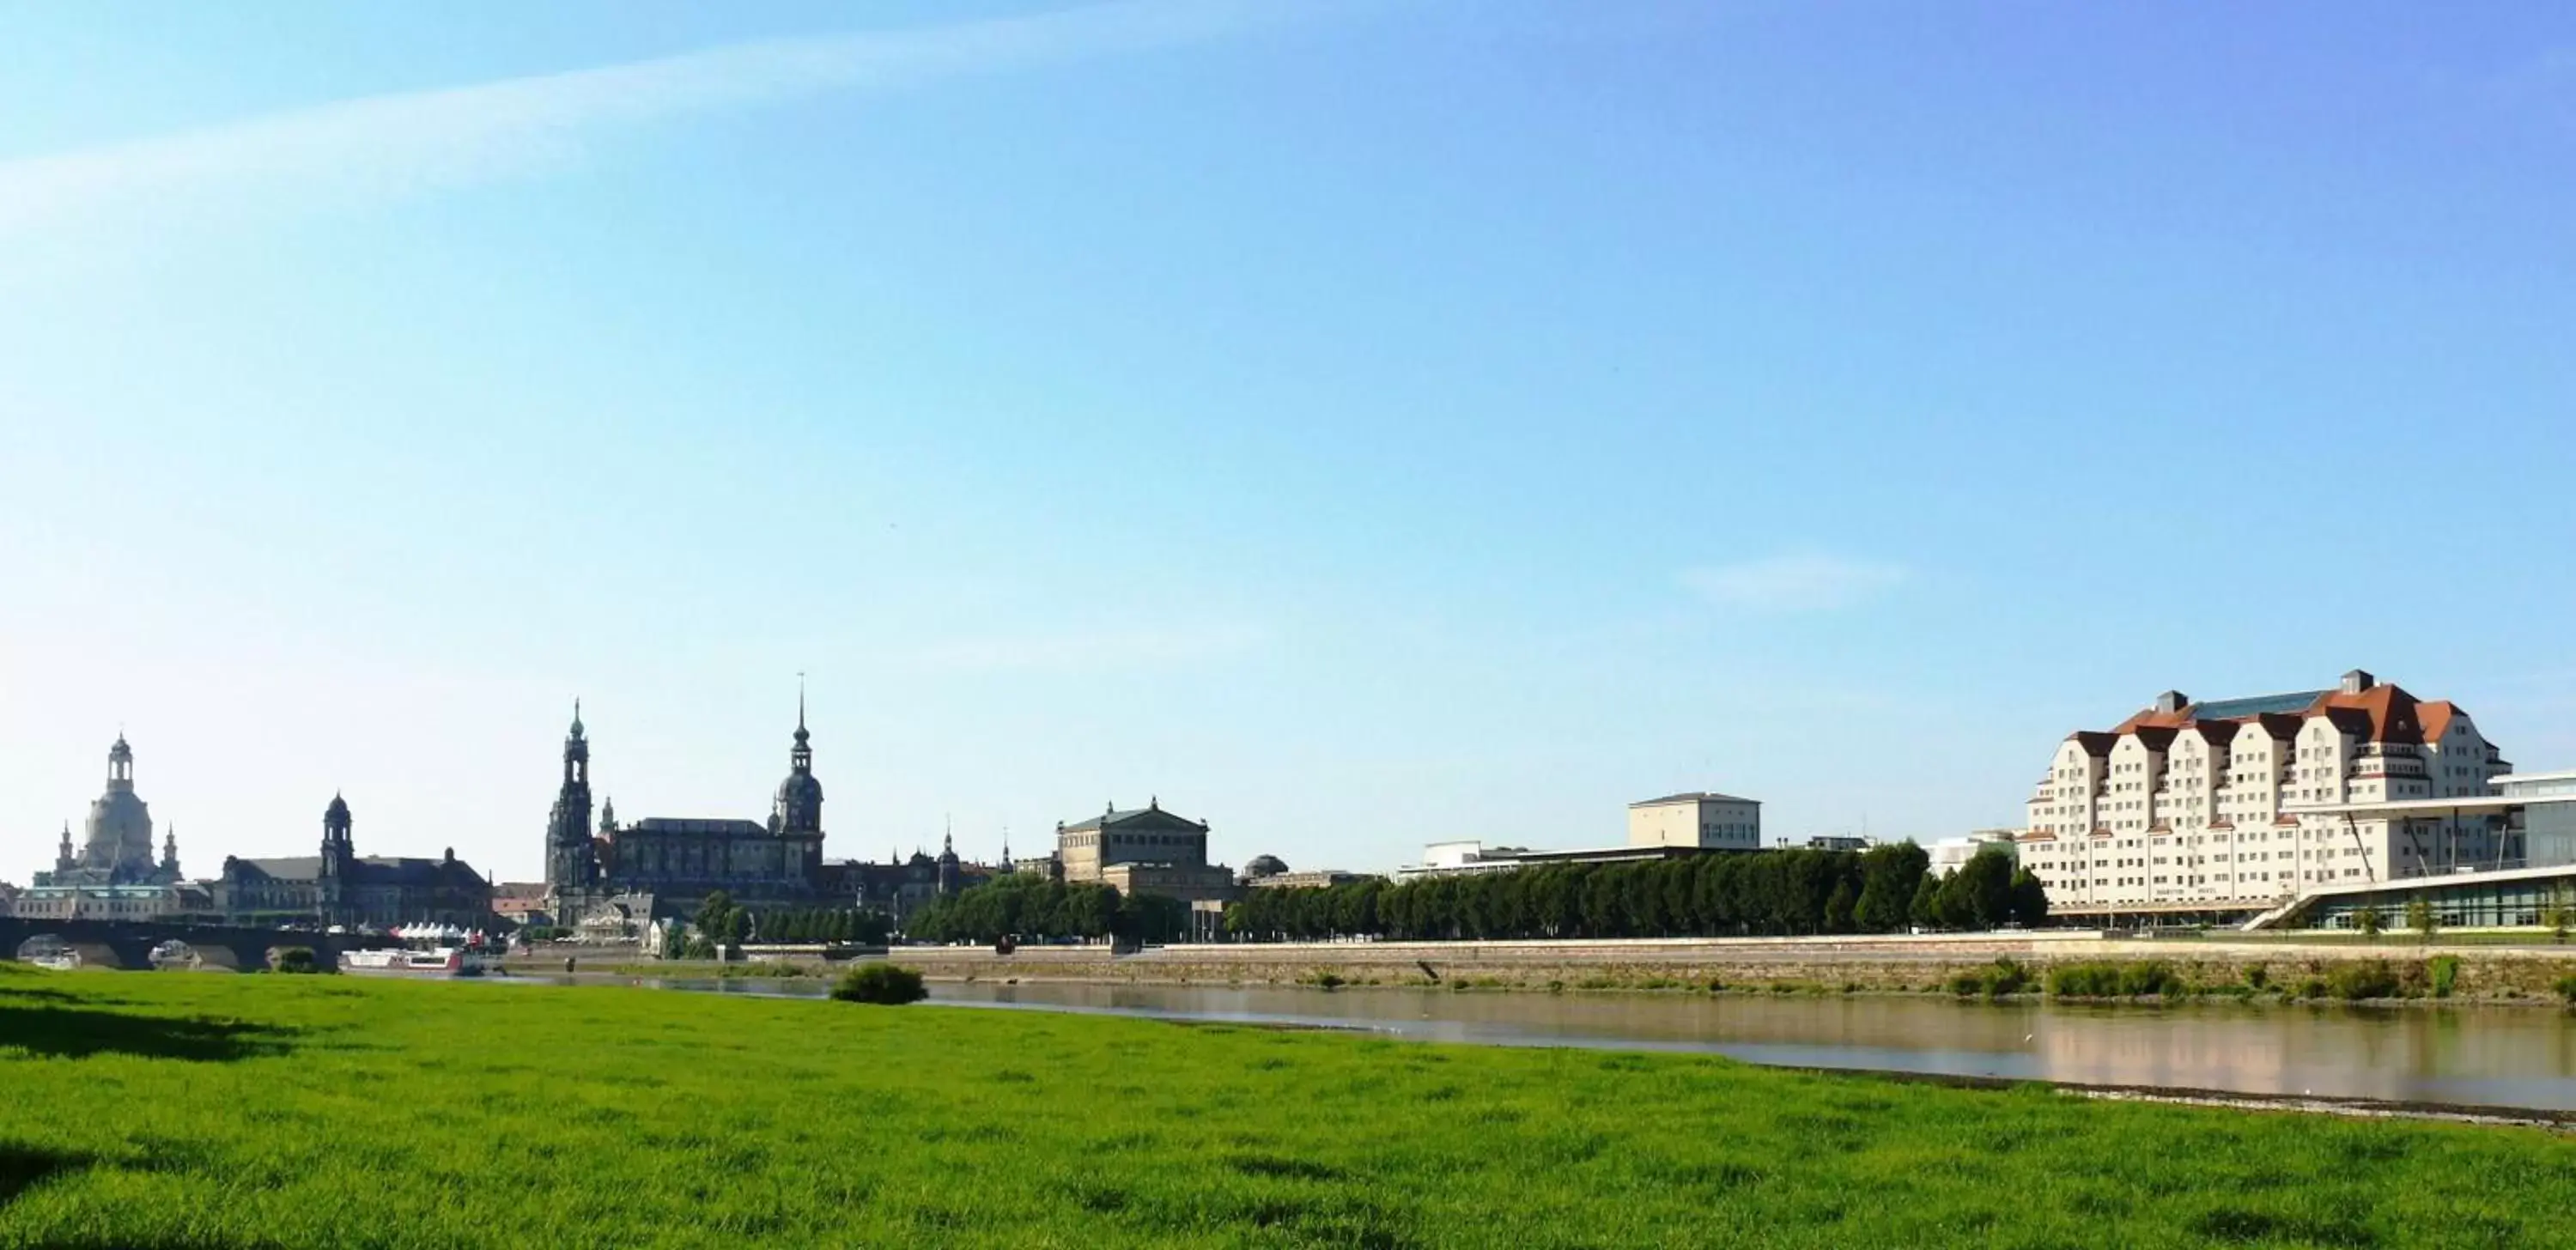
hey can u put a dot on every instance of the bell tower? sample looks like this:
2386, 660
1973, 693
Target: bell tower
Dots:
339, 855
569, 861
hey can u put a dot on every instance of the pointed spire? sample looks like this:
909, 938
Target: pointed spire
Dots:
576, 716
801, 735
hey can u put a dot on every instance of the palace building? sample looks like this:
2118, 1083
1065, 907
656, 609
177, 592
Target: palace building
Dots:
341, 887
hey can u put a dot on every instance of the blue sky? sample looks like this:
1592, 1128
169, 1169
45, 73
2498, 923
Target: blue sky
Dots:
1358, 424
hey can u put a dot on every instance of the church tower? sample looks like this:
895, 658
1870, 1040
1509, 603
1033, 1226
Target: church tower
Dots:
796, 818
170, 853
64, 860
799, 809
570, 865
339, 852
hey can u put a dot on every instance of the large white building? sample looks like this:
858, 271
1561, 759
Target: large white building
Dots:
1716, 822
2247, 802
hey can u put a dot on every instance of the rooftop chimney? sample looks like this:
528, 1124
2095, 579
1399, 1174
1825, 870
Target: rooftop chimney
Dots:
2172, 701
2357, 681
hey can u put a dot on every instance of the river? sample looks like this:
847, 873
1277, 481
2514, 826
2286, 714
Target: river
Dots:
2523, 1058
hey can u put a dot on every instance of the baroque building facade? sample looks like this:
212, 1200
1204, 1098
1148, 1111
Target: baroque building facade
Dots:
114, 875
623, 875
1143, 850
341, 887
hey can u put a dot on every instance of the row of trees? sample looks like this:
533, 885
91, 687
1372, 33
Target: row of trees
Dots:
1785, 892
720, 920
1035, 908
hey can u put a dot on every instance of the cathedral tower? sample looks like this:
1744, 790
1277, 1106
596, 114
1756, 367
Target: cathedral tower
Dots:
799, 809
570, 863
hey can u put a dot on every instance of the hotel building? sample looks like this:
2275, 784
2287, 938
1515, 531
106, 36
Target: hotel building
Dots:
2243, 803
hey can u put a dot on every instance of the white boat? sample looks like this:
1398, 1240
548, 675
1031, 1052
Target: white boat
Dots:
426, 951
64, 962
441, 962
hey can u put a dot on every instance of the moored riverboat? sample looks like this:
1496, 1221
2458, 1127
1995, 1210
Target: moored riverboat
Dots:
426, 951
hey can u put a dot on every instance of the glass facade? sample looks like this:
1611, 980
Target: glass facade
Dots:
2466, 902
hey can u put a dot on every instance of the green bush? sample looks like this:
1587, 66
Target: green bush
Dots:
295, 960
2257, 976
1999, 978
2357, 981
2445, 972
2144, 979
880, 983
2566, 988
2007, 977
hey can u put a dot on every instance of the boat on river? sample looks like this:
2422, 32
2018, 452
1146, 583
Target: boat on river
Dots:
426, 951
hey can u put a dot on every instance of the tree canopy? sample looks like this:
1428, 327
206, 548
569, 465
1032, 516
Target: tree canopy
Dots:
1786, 892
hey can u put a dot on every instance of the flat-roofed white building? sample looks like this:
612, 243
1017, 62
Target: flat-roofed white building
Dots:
2244, 802
1703, 819
1952, 854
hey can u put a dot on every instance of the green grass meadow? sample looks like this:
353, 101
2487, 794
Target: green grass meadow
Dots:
163, 1110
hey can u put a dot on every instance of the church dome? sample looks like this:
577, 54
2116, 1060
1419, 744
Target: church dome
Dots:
1260, 866
800, 788
119, 829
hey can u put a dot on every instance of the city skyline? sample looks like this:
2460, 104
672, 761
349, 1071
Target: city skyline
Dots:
1359, 425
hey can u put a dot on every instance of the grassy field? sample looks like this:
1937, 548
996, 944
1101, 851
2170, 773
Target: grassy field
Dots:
159, 1110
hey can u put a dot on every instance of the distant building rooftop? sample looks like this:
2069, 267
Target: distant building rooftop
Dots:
1697, 796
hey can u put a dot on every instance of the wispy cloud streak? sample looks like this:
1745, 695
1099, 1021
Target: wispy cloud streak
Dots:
1094, 652
1794, 583
390, 146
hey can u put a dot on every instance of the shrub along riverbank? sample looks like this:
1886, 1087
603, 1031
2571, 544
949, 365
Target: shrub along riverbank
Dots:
177, 1110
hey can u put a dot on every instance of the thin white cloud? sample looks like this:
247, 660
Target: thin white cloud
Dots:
1794, 583
390, 146
1092, 652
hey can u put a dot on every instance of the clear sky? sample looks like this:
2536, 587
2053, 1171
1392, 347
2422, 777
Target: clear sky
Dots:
1358, 424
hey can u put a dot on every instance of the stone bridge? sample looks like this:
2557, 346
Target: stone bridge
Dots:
129, 944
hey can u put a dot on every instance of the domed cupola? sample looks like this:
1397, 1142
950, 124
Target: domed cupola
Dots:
800, 797
119, 828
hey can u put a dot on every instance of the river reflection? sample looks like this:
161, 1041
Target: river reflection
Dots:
2501, 1057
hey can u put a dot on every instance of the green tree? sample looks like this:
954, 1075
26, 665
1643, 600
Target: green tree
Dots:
2367, 919
2420, 918
1924, 910
1889, 877
1839, 907
2029, 899
1985, 885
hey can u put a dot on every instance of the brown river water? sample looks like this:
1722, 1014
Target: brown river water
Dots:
2505, 1057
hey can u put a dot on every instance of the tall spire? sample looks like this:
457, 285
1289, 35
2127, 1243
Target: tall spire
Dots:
576, 716
801, 735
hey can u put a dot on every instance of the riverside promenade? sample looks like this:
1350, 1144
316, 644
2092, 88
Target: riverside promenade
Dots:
1872, 962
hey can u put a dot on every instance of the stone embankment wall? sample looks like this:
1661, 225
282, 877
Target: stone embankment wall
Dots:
1872, 964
